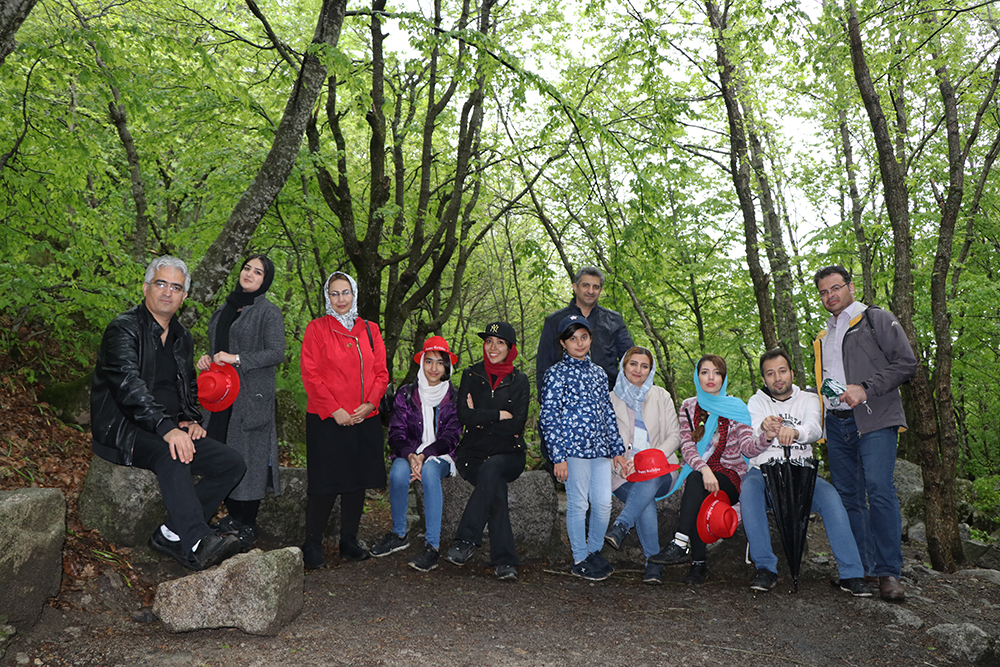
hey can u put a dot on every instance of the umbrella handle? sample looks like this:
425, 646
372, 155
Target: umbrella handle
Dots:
788, 452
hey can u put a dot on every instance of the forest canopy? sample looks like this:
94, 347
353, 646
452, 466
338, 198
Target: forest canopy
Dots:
463, 159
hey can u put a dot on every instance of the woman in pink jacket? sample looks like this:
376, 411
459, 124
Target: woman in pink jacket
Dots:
715, 436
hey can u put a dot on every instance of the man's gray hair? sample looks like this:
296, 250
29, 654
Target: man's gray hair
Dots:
589, 271
167, 261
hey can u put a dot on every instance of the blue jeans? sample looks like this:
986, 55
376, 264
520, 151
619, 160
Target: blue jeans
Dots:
826, 501
431, 475
860, 465
640, 509
589, 484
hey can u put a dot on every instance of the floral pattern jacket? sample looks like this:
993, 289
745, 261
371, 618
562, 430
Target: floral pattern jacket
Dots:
577, 418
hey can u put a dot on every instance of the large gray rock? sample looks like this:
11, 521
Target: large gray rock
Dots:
125, 505
910, 491
533, 512
32, 530
258, 593
282, 519
991, 576
962, 641
122, 502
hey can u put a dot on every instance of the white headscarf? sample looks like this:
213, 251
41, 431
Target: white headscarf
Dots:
347, 319
430, 398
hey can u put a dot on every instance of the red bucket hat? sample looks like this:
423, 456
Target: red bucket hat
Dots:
218, 387
650, 463
436, 344
717, 519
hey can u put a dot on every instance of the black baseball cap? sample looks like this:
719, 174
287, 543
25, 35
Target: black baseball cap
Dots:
500, 330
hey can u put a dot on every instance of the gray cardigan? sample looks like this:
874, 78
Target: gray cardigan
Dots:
258, 336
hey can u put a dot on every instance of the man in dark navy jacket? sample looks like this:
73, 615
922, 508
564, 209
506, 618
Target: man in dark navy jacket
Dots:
611, 339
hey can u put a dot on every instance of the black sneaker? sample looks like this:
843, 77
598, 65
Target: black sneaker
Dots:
857, 587
602, 562
672, 555
159, 542
426, 561
764, 581
616, 535
460, 552
351, 549
227, 525
390, 544
212, 550
506, 572
588, 569
697, 573
312, 556
654, 574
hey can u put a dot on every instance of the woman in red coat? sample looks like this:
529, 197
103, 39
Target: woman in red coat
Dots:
345, 376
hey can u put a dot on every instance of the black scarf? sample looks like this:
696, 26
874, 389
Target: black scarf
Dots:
238, 299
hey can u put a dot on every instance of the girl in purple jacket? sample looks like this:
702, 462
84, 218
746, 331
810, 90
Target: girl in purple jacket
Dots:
423, 434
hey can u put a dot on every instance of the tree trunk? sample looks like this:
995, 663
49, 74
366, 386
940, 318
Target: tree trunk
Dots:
12, 14
857, 208
944, 547
739, 166
231, 243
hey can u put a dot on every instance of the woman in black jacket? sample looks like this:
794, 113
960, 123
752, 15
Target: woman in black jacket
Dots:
493, 406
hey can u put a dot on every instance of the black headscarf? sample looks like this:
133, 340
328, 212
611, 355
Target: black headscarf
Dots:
218, 423
238, 299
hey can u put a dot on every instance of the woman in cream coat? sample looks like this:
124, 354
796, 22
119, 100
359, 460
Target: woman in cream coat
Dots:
647, 419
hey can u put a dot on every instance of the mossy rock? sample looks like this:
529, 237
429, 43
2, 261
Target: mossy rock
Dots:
290, 419
70, 400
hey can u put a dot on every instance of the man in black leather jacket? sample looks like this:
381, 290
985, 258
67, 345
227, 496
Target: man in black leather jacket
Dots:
144, 413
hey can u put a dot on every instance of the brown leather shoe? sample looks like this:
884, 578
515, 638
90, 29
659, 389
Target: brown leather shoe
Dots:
890, 589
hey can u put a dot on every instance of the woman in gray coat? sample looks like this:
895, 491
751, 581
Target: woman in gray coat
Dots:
248, 332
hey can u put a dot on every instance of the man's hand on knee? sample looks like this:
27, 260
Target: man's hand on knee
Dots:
194, 429
181, 445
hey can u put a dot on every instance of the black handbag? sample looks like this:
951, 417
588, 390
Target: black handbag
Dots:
389, 397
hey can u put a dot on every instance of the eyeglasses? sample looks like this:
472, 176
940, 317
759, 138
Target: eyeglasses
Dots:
334, 295
163, 284
834, 289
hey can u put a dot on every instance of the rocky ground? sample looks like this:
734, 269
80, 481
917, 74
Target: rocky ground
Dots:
381, 612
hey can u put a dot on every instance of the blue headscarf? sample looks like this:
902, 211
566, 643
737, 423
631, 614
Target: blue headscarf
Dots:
716, 405
631, 395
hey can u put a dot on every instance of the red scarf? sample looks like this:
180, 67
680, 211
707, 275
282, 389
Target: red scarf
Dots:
501, 370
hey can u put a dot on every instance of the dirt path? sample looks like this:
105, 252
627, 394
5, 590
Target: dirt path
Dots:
381, 612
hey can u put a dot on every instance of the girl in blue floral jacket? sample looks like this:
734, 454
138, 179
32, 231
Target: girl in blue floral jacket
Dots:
580, 429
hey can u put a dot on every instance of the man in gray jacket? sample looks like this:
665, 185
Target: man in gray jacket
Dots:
865, 356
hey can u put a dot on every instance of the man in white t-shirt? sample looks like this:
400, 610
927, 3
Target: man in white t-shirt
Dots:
791, 418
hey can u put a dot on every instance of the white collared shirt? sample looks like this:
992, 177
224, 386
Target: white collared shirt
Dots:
832, 344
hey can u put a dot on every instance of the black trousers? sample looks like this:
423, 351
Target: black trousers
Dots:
488, 505
190, 505
694, 496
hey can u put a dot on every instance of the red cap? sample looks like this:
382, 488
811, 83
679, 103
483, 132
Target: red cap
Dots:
218, 387
436, 344
650, 463
717, 519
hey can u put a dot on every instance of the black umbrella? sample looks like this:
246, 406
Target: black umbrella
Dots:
789, 483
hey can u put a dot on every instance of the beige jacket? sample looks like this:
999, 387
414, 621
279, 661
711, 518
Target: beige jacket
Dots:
660, 417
